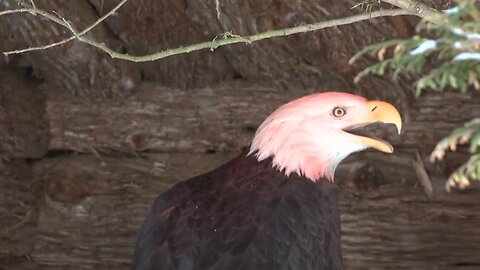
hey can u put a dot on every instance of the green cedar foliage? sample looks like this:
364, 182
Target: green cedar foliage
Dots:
455, 54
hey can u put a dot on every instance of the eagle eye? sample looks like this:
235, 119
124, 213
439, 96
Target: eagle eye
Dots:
339, 112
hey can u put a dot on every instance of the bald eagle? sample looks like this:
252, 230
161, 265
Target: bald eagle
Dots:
272, 207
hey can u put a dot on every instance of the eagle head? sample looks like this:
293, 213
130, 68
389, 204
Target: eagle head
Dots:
311, 135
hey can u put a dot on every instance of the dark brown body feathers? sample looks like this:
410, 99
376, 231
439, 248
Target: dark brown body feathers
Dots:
242, 215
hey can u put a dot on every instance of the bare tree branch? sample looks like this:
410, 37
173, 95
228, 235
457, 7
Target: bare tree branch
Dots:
406, 7
32, 11
419, 9
228, 38
63, 23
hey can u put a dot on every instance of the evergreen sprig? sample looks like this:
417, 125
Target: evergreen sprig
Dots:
401, 59
456, 49
469, 133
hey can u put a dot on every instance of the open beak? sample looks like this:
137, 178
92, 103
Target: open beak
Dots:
378, 111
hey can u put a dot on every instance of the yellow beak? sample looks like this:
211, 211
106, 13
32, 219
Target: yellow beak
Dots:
380, 111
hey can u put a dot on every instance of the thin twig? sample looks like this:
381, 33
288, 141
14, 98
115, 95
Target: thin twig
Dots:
37, 11
422, 176
367, 5
65, 24
34, 7
217, 8
228, 39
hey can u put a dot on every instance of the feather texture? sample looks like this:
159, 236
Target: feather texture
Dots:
304, 137
243, 215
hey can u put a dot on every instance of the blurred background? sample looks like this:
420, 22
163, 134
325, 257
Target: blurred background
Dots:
87, 142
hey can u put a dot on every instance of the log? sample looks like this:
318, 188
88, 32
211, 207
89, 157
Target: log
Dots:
162, 119
24, 130
4, 45
149, 26
225, 117
143, 27
297, 61
396, 227
19, 207
93, 209
75, 66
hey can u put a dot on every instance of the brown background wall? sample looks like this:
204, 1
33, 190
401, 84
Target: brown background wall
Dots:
88, 142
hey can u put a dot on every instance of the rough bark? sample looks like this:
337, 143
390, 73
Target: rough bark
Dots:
304, 60
19, 207
93, 208
162, 119
166, 24
5, 44
224, 118
395, 227
24, 130
75, 66
142, 27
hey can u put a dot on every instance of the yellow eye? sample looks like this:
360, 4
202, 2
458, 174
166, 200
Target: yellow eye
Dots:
339, 112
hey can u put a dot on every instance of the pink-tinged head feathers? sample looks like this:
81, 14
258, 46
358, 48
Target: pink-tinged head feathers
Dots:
306, 136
